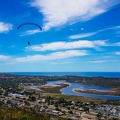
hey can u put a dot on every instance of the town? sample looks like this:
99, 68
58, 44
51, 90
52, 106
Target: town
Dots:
56, 106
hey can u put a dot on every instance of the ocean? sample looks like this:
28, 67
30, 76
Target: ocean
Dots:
88, 74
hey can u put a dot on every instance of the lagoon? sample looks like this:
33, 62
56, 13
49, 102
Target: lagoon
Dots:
70, 90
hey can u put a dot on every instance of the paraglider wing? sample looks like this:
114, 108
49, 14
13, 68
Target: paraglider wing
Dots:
28, 23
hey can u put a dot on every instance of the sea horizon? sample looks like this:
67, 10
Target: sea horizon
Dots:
87, 74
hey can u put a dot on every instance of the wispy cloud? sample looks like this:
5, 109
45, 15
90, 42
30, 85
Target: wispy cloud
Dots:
52, 56
78, 36
117, 44
61, 45
117, 53
60, 12
4, 57
61, 62
5, 27
110, 28
97, 61
12, 46
103, 61
82, 35
30, 32
116, 27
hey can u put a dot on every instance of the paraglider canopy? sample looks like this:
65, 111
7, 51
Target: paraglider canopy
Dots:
28, 23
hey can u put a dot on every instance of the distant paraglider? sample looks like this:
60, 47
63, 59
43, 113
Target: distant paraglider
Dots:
28, 23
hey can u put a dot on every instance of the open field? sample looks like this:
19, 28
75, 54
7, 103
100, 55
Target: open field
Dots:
75, 98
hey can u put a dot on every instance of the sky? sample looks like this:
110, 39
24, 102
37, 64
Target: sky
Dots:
76, 36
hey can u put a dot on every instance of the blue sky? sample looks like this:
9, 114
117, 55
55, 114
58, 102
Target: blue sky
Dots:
77, 35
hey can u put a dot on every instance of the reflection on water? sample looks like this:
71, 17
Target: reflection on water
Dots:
34, 87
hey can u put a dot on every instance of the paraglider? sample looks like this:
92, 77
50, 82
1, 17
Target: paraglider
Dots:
28, 23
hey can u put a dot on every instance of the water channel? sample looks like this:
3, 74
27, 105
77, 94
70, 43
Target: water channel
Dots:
70, 89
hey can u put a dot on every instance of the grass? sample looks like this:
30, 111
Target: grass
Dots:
17, 114
76, 98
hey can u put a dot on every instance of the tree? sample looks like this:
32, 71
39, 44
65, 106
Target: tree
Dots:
70, 112
115, 118
56, 104
9, 102
6, 93
46, 117
26, 102
57, 109
99, 115
32, 98
86, 109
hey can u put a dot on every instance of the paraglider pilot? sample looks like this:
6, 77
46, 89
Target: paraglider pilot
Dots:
28, 43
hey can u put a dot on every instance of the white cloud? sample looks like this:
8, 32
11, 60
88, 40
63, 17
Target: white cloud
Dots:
117, 44
67, 45
3, 57
103, 61
30, 32
82, 35
52, 56
60, 12
117, 53
100, 43
5, 27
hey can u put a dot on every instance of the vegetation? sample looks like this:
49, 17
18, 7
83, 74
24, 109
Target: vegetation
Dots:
108, 92
76, 98
53, 89
11, 83
20, 114
99, 80
112, 102
34, 105
17, 114
99, 115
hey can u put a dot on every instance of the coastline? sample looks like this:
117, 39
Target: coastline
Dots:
108, 74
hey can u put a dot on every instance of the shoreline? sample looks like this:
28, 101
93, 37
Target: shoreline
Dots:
53, 89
